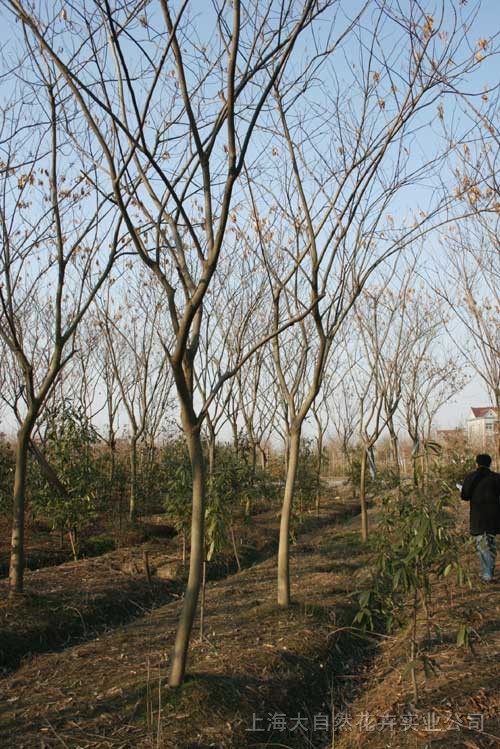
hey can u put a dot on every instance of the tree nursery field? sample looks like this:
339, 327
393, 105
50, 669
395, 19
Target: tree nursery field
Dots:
249, 370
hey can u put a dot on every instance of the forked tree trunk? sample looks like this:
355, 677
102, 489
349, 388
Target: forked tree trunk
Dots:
286, 513
16, 571
178, 665
362, 496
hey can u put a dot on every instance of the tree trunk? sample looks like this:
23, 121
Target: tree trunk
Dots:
179, 656
133, 480
235, 550
293, 443
211, 452
253, 453
236, 441
414, 460
394, 448
112, 468
73, 542
362, 497
318, 469
202, 604
16, 571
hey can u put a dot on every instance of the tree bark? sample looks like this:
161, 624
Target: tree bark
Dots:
211, 451
394, 447
178, 665
133, 480
286, 512
253, 453
318, 469
16, 571
362, 497
414, 460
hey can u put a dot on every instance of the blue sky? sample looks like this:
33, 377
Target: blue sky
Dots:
486, 24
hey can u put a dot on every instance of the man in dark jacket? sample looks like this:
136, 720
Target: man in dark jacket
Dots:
481, 489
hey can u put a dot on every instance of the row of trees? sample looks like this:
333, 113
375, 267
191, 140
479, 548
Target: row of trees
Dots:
239, 186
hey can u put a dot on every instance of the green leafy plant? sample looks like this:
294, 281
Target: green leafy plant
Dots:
415, 546
178, 488
68, 443
7, 466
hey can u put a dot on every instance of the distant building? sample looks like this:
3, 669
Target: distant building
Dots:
482, 427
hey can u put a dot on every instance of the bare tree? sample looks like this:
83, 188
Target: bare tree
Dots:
58, 247
433, 377
330, 214
179, 116
138, 364
472, 289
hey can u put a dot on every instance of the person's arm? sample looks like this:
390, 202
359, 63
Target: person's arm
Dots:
466, 488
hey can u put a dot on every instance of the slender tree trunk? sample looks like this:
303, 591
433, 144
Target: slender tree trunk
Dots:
178, 665
263, 458
133, 480
253, 453
235, 550
211, 452
286, 513
394, 448
112, 465
16, 571
318, 469
414, 461
73, 542
362, 496
236, 442
202, 604
184, 548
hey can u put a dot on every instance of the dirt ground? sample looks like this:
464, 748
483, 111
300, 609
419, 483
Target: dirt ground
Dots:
254, 657
264, 677
75, 600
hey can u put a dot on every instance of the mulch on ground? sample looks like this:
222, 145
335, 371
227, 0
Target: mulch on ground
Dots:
458, 704
76, 601
265, 677
255, 661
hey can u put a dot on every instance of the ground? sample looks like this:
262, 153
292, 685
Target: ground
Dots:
265, 677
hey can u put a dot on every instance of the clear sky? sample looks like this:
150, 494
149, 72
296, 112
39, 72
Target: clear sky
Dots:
486, 25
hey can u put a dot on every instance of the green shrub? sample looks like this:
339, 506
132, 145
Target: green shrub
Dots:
68, 443
415, 545
94, 546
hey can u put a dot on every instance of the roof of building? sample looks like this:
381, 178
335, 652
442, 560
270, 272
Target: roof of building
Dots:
483, 410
